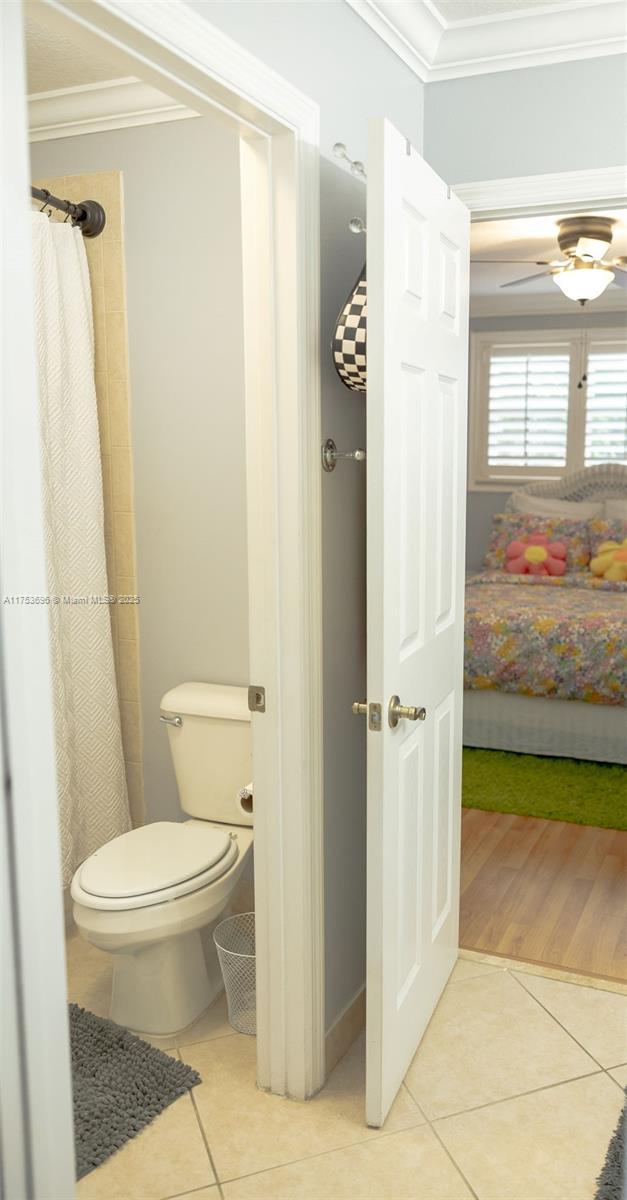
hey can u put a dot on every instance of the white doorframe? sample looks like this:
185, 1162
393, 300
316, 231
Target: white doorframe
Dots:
177, 49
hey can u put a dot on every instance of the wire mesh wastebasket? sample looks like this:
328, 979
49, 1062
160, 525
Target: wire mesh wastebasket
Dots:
235, 943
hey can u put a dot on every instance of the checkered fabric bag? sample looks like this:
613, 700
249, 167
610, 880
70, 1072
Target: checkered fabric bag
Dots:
349, 341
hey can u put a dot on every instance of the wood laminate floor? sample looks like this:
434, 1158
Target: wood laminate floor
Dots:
545, 891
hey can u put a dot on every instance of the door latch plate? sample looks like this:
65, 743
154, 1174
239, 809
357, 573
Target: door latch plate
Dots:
374, 717
257, 698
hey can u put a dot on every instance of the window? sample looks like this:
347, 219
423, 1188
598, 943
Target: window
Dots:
544, 404
606, 405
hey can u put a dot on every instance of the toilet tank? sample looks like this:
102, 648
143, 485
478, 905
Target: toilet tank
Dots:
211, 749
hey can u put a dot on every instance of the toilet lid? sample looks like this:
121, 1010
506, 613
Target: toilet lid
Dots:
152, 858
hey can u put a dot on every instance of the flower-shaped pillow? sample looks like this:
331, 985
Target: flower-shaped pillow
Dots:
536, 555
513, 527
610, 561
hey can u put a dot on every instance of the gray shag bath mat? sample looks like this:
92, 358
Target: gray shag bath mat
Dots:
612, 1182
120, 1085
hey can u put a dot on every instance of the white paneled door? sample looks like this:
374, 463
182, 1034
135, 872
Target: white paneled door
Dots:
418, 245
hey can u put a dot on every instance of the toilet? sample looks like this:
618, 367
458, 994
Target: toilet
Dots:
146, 896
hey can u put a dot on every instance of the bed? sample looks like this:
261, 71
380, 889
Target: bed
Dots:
546, 658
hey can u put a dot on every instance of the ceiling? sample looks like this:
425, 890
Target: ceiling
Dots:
447, 39
531, 239
56, 59
453, 11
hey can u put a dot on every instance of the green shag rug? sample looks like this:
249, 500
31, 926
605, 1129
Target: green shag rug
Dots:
559, 789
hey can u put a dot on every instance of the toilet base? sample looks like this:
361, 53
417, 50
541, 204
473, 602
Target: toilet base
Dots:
165, 986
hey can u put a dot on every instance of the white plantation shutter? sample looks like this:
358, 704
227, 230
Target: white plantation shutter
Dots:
606, 405
528, 400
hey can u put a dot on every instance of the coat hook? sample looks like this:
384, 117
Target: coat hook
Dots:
331, 454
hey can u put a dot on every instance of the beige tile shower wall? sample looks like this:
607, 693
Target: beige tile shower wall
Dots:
105, 255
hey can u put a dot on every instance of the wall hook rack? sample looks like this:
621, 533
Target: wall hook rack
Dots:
331, 455
357, 168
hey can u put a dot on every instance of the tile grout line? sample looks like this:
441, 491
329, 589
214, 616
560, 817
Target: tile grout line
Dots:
558, 1022
442, 1143
206, 1145
449, 1154
546, 1087
364, 1141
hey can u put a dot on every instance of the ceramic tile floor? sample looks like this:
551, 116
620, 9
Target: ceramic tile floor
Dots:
513, 1095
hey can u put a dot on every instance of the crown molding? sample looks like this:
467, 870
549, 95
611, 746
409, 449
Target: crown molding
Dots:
436, 50
570, 191
95, 107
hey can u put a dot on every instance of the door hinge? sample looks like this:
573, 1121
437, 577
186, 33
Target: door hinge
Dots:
257, 698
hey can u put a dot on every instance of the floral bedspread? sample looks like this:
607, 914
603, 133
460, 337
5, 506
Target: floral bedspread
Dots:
564, 637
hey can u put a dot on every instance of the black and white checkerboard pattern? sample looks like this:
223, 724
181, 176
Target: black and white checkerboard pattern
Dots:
349, 342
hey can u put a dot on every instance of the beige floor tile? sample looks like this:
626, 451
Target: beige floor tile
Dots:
166, 1158
213, 1024
489, 1039
620, 1075
404, 1166
468, 968
249, 1130
547, 1146
598, 1020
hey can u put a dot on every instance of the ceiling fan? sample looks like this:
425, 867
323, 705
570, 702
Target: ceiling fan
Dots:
582, 273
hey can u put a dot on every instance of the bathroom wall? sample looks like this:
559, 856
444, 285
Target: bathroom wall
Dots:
105, 256
481, 506
330, 54
183, 263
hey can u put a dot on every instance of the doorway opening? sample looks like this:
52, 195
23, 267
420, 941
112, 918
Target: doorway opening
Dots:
544, 854
275, 135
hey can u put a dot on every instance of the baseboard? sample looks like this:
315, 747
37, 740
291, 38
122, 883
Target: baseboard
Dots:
343, 1032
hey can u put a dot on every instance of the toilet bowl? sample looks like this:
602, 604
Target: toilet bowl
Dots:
152, 897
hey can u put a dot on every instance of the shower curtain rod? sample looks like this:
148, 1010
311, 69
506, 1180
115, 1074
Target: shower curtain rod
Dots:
89, 215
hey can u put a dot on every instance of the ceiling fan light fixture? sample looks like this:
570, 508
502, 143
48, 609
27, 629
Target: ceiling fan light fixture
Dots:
583, 281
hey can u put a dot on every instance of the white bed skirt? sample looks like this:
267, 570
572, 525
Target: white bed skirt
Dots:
535, 725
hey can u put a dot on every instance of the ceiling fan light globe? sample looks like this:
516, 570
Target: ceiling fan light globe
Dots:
583, 284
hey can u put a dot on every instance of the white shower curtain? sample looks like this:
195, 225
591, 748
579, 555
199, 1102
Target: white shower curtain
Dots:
93, 801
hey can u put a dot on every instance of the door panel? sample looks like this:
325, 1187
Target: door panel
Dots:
417, 365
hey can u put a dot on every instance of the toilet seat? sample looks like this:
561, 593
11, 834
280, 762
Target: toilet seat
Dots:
153, 864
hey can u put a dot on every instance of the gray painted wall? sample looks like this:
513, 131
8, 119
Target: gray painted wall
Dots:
565, 117
324, 49
187, 407
481, 506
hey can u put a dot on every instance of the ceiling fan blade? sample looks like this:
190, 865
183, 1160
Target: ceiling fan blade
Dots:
527, 279
620, 275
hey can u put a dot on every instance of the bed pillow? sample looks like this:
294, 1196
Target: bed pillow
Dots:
614, 530
510, 527
546, 506
615, 508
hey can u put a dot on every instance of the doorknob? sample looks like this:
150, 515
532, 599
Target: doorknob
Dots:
397, 712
